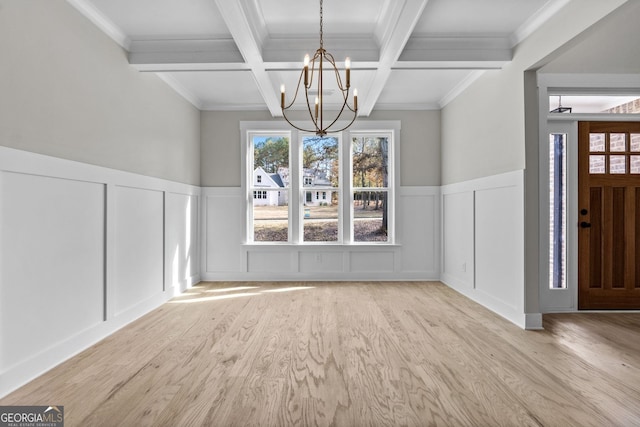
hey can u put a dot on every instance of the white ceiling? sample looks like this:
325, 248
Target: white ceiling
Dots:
234, 55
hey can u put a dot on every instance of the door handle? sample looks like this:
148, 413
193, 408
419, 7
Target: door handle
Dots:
585, 224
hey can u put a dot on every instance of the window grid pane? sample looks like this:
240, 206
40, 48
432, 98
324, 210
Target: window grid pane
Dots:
270, 209
596, 164
617, 164
321, 196
597, 142
635, 142
270, 216
617, 142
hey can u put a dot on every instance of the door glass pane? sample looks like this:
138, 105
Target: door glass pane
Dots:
557, 210
617, 164
596, 164
617, 142
635, 164
596, 142
635, 142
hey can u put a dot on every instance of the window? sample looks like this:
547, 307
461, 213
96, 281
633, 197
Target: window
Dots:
269, 215
309, 189
370, 166
321, 171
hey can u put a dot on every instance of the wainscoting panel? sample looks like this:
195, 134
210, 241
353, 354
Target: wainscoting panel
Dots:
138, 264
415, 256
499, 240
83, 252
372, 262
483, 242
182, 263
52, 260
269, 262
321, 262
457, 244
223, 218
419, 230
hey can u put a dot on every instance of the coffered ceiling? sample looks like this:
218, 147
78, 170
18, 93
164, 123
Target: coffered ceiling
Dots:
235, 54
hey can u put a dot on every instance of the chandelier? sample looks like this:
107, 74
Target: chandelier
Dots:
312, 77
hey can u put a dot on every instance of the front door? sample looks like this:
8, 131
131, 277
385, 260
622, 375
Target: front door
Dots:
609, 215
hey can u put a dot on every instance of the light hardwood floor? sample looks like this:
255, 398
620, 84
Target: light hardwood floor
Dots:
348, 354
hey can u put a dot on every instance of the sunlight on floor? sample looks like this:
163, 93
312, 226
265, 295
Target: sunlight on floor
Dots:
293, 288
214, 298
192, 297
237, 288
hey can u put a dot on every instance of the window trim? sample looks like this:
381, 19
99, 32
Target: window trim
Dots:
279, 128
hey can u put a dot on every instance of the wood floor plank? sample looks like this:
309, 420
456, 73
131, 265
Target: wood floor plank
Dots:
345, 354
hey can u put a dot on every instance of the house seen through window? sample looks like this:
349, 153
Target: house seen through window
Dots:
313, 180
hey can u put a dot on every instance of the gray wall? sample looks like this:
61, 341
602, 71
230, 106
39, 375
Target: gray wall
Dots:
68, 91
483, 129
419, 145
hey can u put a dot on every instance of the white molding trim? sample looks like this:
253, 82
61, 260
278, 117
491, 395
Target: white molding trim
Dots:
102, 22
533, 322
460, 87
537, 20
181, 90
65, 173
475, 280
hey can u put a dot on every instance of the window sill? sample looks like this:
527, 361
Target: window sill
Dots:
309, 246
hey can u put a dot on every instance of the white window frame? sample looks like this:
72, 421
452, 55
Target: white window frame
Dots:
296, 188
315, 191
390, 189
247, 171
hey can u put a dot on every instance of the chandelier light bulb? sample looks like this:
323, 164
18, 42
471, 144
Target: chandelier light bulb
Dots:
347, 65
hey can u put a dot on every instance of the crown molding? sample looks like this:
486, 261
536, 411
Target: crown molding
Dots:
387, 106
181, 90
234, 107
102, 22
460, 87
536, 21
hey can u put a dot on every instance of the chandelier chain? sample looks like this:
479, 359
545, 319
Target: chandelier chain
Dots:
321, 39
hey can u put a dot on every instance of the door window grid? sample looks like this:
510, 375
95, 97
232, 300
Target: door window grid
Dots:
613, 153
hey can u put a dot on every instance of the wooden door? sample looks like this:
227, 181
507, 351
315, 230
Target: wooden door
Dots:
609, 215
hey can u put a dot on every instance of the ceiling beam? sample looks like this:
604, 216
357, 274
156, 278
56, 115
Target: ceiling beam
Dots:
185, 55
250, 46
452, 48
393, 33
